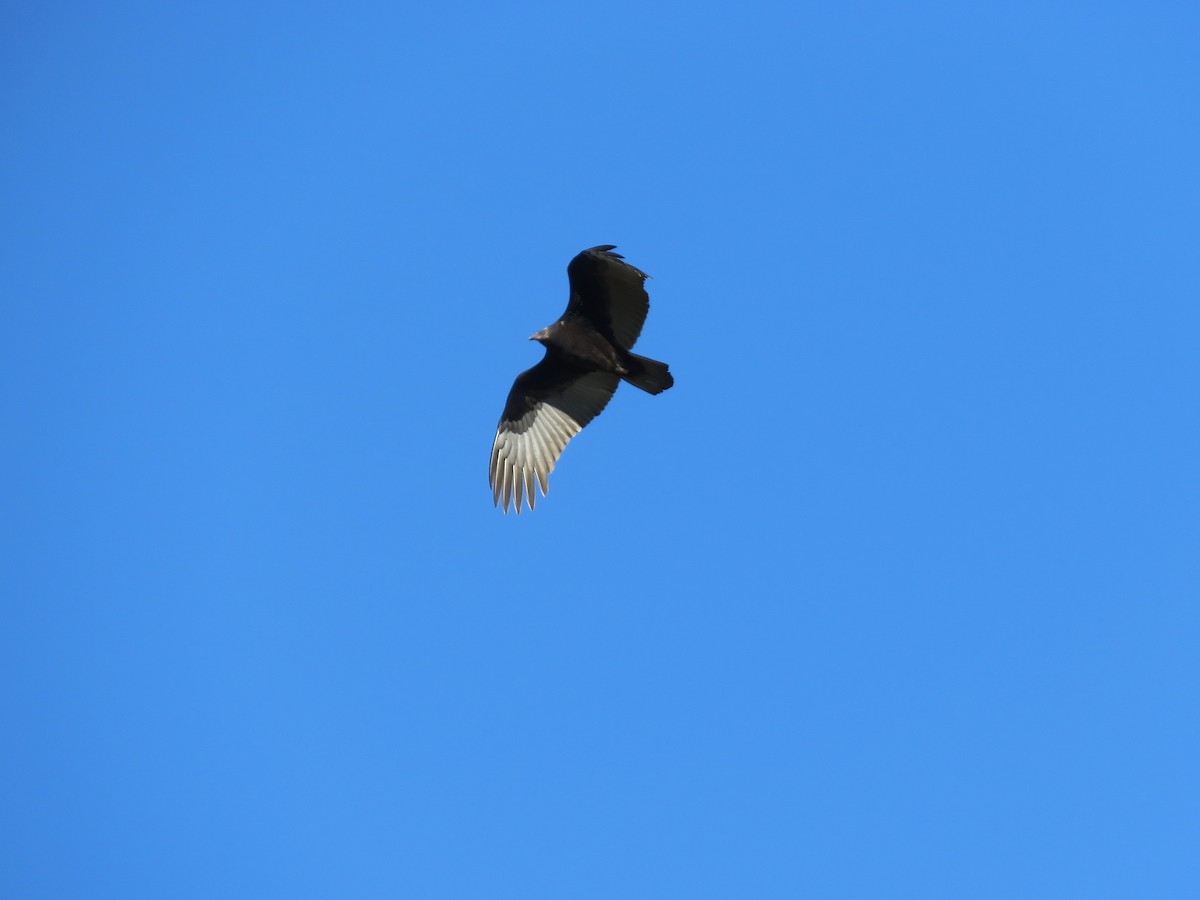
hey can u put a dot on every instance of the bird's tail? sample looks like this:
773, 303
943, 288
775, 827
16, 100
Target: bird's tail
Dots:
648, 374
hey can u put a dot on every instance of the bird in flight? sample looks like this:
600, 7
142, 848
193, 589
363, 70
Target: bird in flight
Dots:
587, 356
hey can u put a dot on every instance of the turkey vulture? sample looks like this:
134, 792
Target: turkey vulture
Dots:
587, 355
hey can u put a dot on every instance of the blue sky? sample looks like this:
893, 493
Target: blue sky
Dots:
894, 594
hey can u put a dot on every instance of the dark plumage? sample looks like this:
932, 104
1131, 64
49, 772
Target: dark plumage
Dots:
587, 355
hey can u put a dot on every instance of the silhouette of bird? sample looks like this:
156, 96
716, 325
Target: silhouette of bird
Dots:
587, 356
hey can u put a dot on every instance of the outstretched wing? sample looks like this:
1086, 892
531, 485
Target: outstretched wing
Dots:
547, 406
610, 293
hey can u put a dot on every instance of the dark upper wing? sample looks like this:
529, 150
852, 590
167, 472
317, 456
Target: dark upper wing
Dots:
609, 292
547, 406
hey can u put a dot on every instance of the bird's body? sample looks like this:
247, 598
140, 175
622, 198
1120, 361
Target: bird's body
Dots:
573, 343
587, 355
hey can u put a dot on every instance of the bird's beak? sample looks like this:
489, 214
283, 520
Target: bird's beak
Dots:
538, 336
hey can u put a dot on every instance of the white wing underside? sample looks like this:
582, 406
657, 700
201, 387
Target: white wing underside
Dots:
526, 450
